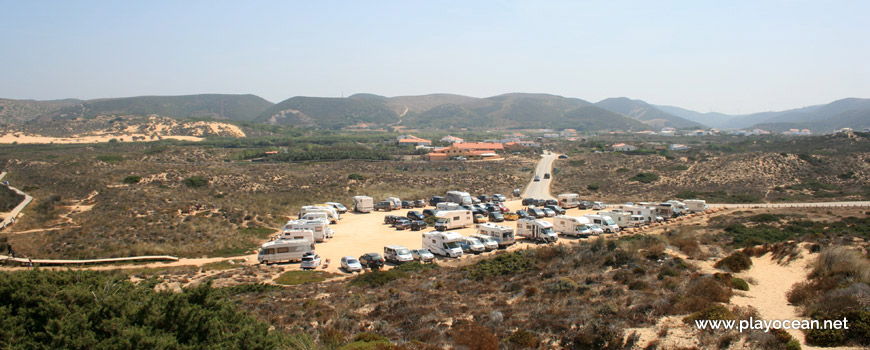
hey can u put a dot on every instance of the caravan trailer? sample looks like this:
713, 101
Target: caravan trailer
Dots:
502, 234
569, 200
450, 219
462, 198
284, 250
696, 205
363, 204
319, 227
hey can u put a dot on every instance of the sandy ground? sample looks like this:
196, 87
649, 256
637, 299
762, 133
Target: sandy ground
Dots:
22, 138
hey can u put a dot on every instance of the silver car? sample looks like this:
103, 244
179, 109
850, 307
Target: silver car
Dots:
423, 255
351, 264
310, 261
548, 212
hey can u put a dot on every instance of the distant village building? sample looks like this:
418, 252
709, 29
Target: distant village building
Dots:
452, 139
646, 132
470, 150
551, 136
412, 140
753, 132
677, 147
568, 133
621, 147
668, 131
797, 132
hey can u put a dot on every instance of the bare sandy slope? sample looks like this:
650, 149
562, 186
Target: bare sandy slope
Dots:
29, 139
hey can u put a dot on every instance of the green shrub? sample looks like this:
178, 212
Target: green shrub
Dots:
502, 264
562, 285
644, 178
379, 278
132, 179
356, 176
622, 170
110, 158
739, 283
196, 182
304, 277
592, 186
736, 262
524, 339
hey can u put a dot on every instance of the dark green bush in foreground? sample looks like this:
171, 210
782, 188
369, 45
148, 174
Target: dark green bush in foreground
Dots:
736, 262
92, 310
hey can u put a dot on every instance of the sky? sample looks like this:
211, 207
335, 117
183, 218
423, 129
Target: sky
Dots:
732, 57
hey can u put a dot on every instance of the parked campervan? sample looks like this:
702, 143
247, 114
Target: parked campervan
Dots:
316, 216
605, 222
450, 219
573, 226
447, 206
536, 230
696, 205
363, 204
330, 211
569, 200
284, 250
622, 218
297, 234
462, 198
319, 227
443, 243
502, 234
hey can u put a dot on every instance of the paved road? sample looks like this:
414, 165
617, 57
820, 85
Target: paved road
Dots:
541, 189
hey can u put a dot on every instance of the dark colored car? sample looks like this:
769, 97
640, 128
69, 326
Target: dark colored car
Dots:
435, 200
415, 215
585, 205
559, 210
529, 201
428, 212
541, 202
496, 216
562, 156
371, 260
402, 224
499, 197
484, 198
420, 203
547, 175
407, 204
468, 207
384, 205
390, 219
418, 225
536, 213
551, 202
522, 213
480, 211
492, 208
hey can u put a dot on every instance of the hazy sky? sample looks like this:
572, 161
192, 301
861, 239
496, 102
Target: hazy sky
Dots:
725, 56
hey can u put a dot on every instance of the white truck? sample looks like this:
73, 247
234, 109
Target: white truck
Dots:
536, 230
330, 211
573, 226
447, 206
450, 219
502, 234
696, 205
319, 227
443, 243
363, 204
604, 222
569, 200
463, 198
284, 250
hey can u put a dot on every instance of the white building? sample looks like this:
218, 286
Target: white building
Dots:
452, 139
669, 131
677, 147
621, 147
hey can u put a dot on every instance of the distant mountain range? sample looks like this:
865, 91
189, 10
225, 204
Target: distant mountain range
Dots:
441, 111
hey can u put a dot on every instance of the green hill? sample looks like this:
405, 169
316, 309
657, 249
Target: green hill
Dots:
645, 112
329, 113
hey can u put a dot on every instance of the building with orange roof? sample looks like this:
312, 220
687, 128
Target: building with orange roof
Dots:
469, 150
413, 140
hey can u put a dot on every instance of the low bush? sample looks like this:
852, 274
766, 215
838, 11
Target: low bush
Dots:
474, 336
739, 283
644, 178
132, 179
502, 264
196, 182
304, 277
524, 339
736, 262
593, 186
356, 176
379, 278
844, 262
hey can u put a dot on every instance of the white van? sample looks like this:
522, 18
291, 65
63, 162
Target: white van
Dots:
397, 254
284, 250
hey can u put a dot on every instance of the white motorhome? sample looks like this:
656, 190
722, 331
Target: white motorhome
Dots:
319, 227
638, 220
569, 200
536, 230
605, 222
297, 234
463, 198
443, 243
397, 254
315, 216
450, 219
648, 214
573, 226
696, 205
363, 204
622, 218
284, 250
447, 206
502, 234
330, 211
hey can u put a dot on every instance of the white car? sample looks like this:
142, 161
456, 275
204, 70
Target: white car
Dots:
423, 255
338, 207
598, 206
472, 245
351, 264
310, 261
